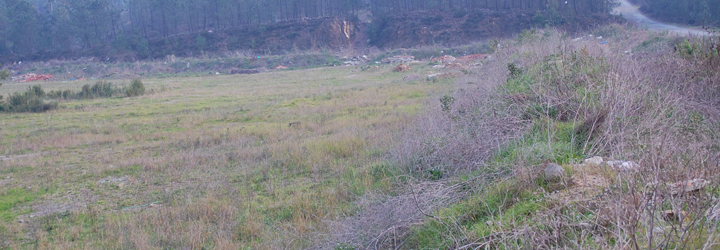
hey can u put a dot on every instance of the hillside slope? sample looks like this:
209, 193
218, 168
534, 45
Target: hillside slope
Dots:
405, 30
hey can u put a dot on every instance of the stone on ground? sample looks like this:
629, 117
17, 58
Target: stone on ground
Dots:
554, 172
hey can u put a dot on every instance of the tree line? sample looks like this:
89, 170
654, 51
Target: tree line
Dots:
695, 12
57, 27
570, 7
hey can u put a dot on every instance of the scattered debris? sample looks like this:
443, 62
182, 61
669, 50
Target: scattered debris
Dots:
453, 65
355, 60
33, 77
281, 67
623, 166
603, 42
439, 66
401, 68
398, 59
440, 75
244, 71
444, 59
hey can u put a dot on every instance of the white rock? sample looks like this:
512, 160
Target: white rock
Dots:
713, 214
585, 225
623, 166
659, 230
595, 161
688, 187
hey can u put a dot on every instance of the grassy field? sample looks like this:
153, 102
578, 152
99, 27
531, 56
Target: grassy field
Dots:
215, 162
346, 158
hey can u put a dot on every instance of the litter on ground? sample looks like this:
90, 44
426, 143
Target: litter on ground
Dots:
34, 77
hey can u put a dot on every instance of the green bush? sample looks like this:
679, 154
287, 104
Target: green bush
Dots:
446, 102
136, 88
515, 71
4, 74
99, 89
29, 101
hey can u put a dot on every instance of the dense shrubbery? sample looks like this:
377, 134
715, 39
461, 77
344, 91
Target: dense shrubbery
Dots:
136, 88
97, 90
31, 100
101, 89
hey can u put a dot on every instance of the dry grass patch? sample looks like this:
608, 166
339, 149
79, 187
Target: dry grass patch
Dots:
218, 154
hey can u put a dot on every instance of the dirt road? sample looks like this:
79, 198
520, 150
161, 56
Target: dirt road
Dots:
632, 13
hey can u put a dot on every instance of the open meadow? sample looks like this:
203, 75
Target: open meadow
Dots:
605, 140
215, 162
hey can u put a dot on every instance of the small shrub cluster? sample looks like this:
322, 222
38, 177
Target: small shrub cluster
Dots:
706, 51
101, 89
4, 74
136, 88
31, 100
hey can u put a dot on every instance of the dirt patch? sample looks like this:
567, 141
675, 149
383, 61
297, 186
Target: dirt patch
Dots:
66, 204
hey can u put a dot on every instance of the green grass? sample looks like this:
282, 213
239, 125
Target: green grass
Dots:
501, 208
11, 198
654, 44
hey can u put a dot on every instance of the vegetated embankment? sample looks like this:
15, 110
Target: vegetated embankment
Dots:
507, 160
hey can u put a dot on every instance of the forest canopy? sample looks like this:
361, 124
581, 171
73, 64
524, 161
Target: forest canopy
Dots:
694, 12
